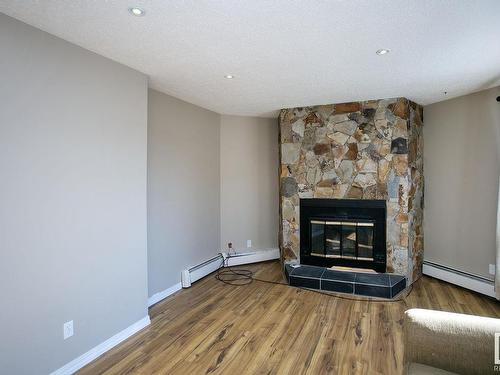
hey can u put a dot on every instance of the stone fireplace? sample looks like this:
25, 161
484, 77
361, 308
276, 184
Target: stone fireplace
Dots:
364, 151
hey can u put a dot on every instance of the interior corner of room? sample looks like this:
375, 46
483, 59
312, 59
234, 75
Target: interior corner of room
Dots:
116, 192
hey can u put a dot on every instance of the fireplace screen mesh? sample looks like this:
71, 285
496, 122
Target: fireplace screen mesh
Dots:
342, 239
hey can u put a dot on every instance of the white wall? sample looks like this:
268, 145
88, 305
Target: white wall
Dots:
461, 168
72, 199
183, 188
249, 182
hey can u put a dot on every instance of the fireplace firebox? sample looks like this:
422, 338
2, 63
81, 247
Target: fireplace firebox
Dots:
343, 232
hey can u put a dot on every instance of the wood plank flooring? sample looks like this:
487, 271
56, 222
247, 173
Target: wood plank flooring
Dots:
261, 328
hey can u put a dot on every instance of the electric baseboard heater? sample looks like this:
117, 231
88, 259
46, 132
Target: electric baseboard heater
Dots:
192, 274
195, 273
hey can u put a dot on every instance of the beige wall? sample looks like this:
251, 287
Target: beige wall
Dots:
73, 137
249, 182
183, 188
461, 168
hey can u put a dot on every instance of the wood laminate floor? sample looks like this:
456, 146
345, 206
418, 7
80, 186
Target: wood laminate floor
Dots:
214, 328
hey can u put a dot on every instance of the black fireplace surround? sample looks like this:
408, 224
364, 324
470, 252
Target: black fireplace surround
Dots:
343, 232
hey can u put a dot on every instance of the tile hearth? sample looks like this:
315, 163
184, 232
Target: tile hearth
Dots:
383, 285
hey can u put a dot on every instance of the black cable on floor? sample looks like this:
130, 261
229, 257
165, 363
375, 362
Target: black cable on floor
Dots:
242, 277
232, 277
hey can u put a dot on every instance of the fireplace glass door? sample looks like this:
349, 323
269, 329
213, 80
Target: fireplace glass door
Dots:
342, 239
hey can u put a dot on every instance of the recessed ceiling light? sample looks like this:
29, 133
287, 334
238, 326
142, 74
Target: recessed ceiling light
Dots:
383, 51
138, 12
229, 76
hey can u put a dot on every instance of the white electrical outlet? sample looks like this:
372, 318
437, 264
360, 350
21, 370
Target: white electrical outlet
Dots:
249, 243
492, 269
68, 329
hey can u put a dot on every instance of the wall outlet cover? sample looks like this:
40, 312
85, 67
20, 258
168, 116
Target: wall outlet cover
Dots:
68, 329
491, 269
249, 243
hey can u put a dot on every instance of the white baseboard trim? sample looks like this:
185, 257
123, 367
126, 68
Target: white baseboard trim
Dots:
253, 257
465, 280
157, 297
86, 358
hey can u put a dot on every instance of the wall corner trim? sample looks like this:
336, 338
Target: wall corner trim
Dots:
86, 358
157, 297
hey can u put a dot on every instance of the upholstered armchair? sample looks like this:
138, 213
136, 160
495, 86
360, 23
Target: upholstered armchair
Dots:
438, 342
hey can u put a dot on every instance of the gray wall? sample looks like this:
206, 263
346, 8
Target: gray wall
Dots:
249, 182
461, 167
183, 188
72, 196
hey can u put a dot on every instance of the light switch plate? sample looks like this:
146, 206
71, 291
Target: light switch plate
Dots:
249, 243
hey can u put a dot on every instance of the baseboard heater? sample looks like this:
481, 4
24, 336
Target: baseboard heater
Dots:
192, 274
195, 273
464, 279
252, 257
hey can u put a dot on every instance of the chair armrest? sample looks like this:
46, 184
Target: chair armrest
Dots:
454, 342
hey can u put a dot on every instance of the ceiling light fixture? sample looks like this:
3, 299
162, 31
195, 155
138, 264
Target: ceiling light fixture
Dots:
229, 76
383, 51
138, 12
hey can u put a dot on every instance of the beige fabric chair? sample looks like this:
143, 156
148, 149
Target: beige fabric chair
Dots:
439, 342
420, 369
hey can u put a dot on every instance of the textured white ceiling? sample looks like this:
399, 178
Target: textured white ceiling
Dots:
286, 53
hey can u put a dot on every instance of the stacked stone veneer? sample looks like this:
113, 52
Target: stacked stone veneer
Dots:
359, 150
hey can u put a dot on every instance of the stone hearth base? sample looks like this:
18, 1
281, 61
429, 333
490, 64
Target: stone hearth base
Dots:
383, 285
